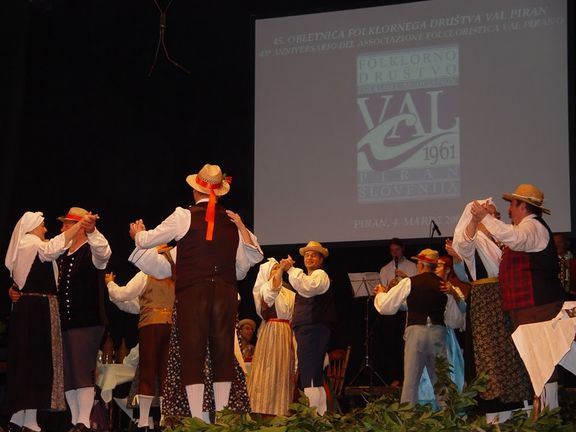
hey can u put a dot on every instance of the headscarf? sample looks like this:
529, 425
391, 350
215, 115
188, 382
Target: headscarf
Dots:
261, 280
459, 236
19, 260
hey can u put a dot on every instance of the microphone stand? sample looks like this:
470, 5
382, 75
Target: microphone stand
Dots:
431, 234
367, 347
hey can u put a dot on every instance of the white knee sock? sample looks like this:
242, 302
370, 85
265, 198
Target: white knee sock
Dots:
85, 404
317, 398
498, 417
195, 393
18, 418
30, 420
322, 407
72, 399
549, 397
145, 402
221, 394
313, 396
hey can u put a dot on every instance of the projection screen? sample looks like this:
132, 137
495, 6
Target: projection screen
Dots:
370, 123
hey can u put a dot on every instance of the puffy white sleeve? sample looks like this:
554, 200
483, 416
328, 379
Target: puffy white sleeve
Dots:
388, 303
247, 256
100, 249
152, 263
316, 283
130, 291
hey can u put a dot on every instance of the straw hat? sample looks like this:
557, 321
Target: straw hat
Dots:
529, 194
209, 178
74, 214
314, 246
428, 256
248, 321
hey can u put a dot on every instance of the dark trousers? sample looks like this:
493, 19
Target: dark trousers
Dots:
312, 340
80, 348
207, 315
153, 357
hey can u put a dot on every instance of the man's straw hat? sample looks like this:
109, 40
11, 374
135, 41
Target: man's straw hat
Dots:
529, 194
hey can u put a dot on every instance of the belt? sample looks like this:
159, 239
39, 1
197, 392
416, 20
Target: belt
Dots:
159, 309
279, 320
38, 295
485, 281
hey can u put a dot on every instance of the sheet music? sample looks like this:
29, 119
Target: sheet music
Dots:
363, 284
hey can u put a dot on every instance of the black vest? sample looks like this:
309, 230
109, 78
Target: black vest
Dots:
313, 310
199, 258
545, 268
81, 290
425, 300
40, 278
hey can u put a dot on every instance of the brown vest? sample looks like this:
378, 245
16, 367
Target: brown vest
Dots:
156, 302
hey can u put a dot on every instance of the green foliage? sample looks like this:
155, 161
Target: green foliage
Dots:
386, 414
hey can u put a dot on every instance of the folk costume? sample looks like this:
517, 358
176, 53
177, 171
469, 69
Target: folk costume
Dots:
35, 378
212, 256
81, 296
272, 376
156, 300
314, 314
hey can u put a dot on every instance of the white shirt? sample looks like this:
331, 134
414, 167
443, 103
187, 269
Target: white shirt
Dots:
528, 236
46, 250
174, 227
388, 272
127, 297
282, 299
99, 247
489, 252
388, 303
316, 283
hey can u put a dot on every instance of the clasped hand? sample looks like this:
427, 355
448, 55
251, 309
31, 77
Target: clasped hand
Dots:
136, 227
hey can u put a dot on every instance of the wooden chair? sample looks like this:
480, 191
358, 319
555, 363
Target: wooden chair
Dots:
335, 374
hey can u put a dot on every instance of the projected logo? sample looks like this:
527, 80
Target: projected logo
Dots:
408, 114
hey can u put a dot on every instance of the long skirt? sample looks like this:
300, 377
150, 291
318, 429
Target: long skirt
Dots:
494, 350
35, 376
272, 376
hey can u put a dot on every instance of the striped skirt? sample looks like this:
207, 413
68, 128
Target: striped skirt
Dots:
272, 377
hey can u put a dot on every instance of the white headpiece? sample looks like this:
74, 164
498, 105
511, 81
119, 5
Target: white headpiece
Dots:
25, 257
459, 235
261, 280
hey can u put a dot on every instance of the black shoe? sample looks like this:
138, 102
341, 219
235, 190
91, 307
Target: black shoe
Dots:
13, 427
80, 427
143, 429
25, 429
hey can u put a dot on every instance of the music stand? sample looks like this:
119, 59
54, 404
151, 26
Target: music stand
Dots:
363, 284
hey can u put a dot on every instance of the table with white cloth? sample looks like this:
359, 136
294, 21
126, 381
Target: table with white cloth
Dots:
109, 375
543, 345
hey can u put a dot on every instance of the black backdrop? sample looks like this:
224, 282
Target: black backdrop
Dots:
83, 124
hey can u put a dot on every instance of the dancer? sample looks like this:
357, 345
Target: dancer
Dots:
272, 376
314, 313
35, 374
215, 249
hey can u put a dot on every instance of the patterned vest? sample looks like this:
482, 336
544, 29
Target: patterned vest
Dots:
425, 300
199, 259
530, 278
